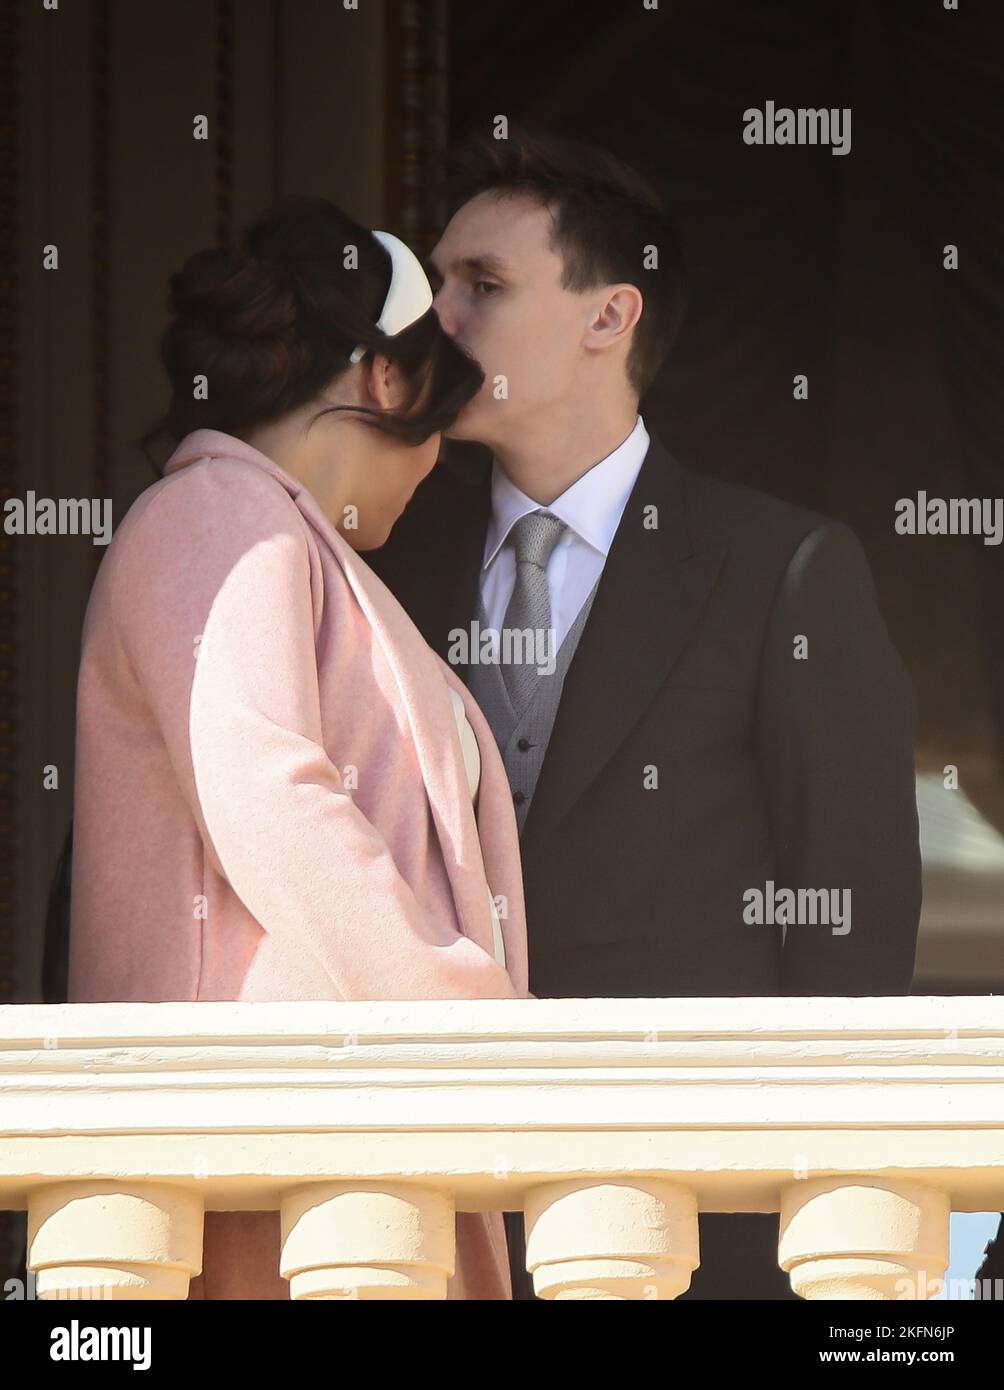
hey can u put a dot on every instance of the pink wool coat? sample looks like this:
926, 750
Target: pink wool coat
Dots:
271, 800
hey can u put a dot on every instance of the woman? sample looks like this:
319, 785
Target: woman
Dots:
274, 772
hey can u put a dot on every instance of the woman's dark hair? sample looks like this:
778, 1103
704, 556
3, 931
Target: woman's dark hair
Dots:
269, 324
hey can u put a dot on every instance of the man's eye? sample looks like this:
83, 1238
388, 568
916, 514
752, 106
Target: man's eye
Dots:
486, 287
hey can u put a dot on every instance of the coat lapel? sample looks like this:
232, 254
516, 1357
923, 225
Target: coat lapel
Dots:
433, 728
653, 586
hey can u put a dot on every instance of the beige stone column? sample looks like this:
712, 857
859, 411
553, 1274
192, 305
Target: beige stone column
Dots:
367, 1240
631, 1238
105, 1240
864, 1238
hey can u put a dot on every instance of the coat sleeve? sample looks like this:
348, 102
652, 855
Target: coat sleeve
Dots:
835, 725
214, 606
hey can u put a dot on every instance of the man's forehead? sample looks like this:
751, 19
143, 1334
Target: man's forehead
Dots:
486, 261
478, 242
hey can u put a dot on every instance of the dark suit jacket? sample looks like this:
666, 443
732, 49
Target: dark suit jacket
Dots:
771, 769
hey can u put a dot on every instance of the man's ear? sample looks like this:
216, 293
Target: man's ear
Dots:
618, 315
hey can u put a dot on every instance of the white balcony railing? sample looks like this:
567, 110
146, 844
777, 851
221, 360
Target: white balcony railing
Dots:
864, 1122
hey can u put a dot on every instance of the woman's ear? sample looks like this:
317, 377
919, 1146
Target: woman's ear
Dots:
382, 381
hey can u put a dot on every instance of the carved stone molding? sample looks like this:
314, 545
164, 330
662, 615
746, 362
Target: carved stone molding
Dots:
415, 144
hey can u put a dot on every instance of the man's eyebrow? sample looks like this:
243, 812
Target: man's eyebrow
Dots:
485, 264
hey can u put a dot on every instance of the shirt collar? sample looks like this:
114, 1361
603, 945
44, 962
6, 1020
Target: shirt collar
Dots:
592, 507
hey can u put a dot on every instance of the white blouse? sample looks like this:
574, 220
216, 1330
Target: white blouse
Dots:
472, 763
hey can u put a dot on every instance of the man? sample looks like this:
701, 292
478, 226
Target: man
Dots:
725, 714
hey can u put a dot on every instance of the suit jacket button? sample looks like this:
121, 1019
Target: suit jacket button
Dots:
523, 745
518, 798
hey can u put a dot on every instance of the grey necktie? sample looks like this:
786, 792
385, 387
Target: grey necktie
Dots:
533, 538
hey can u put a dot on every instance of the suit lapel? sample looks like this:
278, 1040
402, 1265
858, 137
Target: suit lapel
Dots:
653, 586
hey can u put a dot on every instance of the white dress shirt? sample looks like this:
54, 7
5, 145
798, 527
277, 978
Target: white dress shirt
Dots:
591, 508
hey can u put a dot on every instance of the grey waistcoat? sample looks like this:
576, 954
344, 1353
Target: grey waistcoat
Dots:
484, 680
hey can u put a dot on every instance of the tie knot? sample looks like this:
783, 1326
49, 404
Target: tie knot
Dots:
534, 536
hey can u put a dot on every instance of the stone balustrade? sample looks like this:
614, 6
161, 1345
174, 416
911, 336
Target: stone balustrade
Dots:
612, 1123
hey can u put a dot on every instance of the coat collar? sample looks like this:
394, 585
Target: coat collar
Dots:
202, 444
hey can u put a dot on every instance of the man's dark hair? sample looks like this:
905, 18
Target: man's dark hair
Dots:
605, 215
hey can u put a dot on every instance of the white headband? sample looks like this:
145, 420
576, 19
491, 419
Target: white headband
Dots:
409, 295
